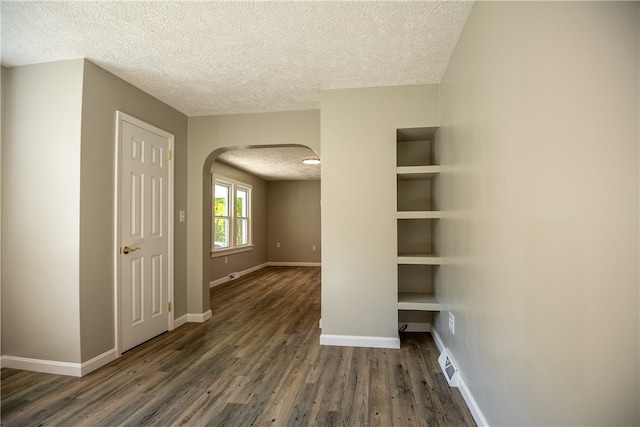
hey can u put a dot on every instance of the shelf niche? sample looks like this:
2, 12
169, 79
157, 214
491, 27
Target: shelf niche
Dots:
416, 278
415, 195
415, 236
414, 147
415, 287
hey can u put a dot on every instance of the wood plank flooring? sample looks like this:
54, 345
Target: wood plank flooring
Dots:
256, 362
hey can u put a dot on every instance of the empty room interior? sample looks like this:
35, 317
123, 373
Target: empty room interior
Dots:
320, 213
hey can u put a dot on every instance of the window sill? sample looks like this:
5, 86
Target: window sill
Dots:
230, 251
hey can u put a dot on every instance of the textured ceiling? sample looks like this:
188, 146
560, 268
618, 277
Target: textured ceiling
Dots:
274, 164
207, 58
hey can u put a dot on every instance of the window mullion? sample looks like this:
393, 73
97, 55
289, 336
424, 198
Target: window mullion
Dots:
232, 237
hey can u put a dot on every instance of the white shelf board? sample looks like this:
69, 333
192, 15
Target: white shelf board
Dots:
417, 172
419, 259
417, 301
419, 214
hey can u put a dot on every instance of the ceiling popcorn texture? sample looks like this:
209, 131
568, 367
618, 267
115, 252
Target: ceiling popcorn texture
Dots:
206, 58
274, 164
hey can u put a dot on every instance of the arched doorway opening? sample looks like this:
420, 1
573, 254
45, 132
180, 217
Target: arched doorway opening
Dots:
287, 158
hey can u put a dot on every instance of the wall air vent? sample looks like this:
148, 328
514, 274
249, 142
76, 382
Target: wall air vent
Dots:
448, 368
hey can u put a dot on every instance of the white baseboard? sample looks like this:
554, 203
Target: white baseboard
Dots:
218, 281
476, 413
39, 365
358, 341
415, 327
180, 321
98, 362
199, 317
58, 368
226, 279
293, 264
192, 318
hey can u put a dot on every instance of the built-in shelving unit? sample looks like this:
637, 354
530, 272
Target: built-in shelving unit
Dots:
417, 224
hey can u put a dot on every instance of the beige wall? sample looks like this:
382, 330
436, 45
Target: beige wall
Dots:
294, 221
103, 95
3, 98
61, 122
359, 273
41, 211
219, 267
3, 92
211, 133
539, 145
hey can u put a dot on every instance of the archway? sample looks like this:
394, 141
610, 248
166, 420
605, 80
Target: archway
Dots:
207, 192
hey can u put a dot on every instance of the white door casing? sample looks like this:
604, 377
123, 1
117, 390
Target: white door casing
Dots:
144, 232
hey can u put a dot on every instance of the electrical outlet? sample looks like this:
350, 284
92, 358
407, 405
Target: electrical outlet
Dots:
226, 260
452, 323
313, 248
277, 244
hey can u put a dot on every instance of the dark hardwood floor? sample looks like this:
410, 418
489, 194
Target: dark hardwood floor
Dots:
256, 362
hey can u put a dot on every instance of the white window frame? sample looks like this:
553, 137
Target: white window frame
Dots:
233, 247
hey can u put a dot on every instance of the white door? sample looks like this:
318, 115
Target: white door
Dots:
145, 263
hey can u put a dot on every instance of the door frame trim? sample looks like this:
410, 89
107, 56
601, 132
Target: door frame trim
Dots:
120, 118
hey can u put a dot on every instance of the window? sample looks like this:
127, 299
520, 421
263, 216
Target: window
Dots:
231, 228
221, 215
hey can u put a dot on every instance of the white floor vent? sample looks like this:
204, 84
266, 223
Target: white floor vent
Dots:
234, 276
448, 368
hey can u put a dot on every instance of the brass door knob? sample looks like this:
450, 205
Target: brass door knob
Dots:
127, 249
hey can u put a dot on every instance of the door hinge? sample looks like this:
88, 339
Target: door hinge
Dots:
169, 306
169, 154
